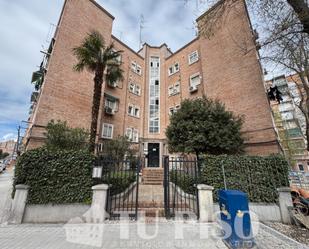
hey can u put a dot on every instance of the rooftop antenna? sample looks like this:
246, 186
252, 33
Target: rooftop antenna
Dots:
141, 27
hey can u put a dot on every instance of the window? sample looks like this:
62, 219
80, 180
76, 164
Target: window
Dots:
118, 59
131, 87
154, 95
287, 116
283, 107
110, 104
173, 69
170, 90
195, 80
177, 88
193, 57
132, 134
173, 110
134, 111
301, 167
136, 68
174, 89
289, 125
107, 131
135, 88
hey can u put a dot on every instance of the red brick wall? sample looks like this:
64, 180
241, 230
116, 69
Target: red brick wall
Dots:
67, 95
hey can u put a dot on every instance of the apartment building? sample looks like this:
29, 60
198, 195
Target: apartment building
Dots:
290, 122
224, 66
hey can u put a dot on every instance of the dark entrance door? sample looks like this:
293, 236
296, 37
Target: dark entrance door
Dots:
153, 155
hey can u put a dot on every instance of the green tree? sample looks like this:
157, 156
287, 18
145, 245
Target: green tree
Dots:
119, 148
103, 61
60, 136
204, 126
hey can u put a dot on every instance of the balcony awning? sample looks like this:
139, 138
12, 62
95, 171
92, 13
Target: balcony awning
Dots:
111, 97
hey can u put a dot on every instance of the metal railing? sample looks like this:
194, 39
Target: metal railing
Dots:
122, 177
181, 177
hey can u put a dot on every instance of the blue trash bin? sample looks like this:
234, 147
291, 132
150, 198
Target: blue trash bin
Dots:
234, 207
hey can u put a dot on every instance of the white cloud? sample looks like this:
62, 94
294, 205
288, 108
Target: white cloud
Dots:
9, 136
25, 25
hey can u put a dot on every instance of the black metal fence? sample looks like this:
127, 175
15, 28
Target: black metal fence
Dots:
122, 177
181, 177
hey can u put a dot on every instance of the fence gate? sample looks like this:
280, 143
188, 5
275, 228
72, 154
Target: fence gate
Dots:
181, 177
122, 176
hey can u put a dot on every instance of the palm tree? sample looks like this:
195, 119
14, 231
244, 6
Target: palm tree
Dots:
94, 56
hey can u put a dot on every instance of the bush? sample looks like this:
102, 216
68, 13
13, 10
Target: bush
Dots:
59, 136
118, 181
184, 181
257, 176
55, 176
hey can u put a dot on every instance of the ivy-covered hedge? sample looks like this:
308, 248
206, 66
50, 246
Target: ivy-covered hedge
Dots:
118, 181
184, 181
55, 176
257, 176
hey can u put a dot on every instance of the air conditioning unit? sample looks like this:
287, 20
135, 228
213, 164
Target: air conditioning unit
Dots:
175, 91
109, 111
112, 84
193, 89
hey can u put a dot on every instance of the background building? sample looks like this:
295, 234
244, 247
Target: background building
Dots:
8, 146
224, 66
290, 122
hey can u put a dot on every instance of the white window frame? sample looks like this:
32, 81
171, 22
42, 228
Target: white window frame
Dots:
170, 90
114, 107
194, 76
135, 88
108, 126
193, 57
174, 109
174, 89
134, 108
132, 134
174, 69
136, 68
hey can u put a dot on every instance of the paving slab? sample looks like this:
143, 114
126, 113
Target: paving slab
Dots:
167, 234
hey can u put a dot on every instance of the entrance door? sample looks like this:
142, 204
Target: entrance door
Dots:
154, 155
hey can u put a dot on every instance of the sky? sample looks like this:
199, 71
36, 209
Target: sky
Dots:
27, 26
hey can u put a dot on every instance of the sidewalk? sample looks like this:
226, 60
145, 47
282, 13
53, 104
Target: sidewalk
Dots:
6, 179
110, 235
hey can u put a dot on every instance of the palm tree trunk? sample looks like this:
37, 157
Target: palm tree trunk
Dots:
98, 81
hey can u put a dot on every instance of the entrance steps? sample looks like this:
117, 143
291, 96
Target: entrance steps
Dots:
153, 176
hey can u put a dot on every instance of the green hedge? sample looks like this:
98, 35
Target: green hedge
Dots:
257, 176
184, 181
55, 176
118, 181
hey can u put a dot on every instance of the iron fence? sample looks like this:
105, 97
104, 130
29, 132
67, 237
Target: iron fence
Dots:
181, 177
122, 177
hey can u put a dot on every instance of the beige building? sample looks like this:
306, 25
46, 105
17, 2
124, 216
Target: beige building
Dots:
224, 66
290, 121
8, 146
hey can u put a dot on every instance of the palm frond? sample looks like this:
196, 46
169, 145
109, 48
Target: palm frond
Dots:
89, 53
114, 73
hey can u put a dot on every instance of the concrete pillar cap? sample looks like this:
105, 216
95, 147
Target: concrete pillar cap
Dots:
205, 187
284, 189
22, 186
100, 187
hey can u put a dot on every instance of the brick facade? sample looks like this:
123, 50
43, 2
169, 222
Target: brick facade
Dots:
226, 72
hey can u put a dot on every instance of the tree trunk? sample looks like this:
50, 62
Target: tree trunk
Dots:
301, 9
97, 91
